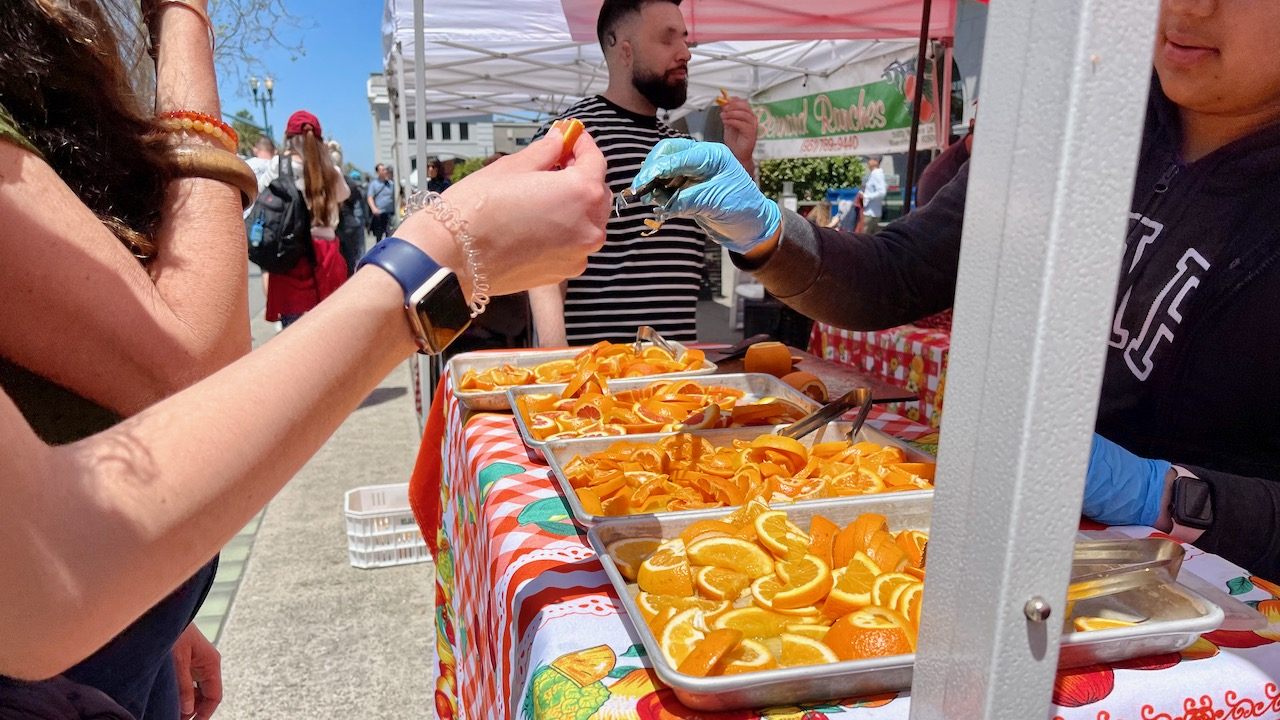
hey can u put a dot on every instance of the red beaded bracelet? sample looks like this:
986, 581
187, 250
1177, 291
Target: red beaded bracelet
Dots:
202, 124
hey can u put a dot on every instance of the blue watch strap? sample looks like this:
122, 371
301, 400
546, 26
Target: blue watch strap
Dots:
410, 266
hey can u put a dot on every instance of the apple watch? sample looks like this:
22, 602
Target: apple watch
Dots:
433, 298
1192, 503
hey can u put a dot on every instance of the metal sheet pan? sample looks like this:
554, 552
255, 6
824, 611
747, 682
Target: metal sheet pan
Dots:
756, 384
559, 453
1176, 616
492, 400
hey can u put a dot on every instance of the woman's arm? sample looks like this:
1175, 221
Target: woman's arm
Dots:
547, 305
98, 531
81, 310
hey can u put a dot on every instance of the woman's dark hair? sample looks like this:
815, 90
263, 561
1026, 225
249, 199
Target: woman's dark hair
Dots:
64, 82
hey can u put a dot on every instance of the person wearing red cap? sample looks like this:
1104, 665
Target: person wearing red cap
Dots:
313, 278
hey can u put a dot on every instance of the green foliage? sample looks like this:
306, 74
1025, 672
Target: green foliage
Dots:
465, 168
812, 176
247, 129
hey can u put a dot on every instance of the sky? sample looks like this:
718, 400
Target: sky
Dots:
343, 44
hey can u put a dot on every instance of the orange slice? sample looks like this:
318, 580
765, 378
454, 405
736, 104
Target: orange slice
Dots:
800, 650
1086, 624
749, 656
746, 515
711, 528
870, 632
912, 543
764, 589
732, 553
908, 603
554, 371
809, 630
710, 651
681, 635
651, 605
822, 535
754, 622
808, 581
886, 553
887, 587
666, 572
629, 553
852, 589
779, 534
721, 583
865, 527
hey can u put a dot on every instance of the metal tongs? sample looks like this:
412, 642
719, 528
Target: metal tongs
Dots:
1109, 567
856, 398
657, 186
646, 333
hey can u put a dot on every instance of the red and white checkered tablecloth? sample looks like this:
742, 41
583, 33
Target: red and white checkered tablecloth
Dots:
910, 357
521, 600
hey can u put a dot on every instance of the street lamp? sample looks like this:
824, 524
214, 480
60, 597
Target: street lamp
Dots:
264, 99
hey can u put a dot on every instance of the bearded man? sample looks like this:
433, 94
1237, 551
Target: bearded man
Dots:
635, 280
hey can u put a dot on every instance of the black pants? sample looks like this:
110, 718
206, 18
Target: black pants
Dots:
378, 226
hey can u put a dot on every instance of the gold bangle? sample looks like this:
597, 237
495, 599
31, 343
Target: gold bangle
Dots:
199, 11
202, 161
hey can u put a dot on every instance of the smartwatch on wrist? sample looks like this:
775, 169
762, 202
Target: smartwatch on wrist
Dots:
433, 299
1192, 503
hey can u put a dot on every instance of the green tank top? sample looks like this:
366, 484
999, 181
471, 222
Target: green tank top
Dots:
57, 415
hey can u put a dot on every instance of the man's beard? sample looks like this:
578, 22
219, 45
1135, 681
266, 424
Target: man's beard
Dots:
663, 93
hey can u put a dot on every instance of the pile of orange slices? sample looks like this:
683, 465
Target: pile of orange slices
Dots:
752, 591
686, 472
605, 360
586, 408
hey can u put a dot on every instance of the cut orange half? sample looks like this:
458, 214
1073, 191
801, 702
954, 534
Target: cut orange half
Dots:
870, 632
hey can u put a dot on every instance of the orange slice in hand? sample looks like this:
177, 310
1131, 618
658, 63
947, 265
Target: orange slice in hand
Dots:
629, 553
808, 581
666, 572
749, 656
870, 632
710, 652
780, 535
681, 635
732, 553
800, 650
721, 583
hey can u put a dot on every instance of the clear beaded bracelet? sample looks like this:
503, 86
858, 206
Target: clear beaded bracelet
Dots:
453, 221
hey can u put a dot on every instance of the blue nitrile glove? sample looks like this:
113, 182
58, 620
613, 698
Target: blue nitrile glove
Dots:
725, 201
1121, 488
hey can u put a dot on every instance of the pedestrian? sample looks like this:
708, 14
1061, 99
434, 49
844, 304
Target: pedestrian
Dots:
318, 273
1195, 339
351, 214
873, 193
382, 202
263, 161
436, 180
634, 280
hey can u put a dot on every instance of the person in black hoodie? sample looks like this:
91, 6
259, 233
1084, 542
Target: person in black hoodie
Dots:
1187, 414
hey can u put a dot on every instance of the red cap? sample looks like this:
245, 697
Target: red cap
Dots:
299, 121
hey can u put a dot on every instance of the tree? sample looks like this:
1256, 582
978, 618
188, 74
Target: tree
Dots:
247, 129
466, 167
244, 28
811, 177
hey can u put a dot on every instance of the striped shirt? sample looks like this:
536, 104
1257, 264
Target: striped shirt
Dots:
633, 280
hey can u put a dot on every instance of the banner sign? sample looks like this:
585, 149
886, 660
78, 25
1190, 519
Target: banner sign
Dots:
872, 117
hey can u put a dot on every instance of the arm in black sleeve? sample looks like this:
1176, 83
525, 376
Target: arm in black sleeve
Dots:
869, 282
1246, 522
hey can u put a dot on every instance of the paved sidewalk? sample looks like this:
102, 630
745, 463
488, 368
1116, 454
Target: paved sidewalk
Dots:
307, 635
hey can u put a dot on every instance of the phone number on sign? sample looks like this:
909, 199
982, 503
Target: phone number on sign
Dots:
844, 142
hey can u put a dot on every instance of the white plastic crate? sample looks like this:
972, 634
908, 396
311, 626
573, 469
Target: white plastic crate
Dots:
381, 531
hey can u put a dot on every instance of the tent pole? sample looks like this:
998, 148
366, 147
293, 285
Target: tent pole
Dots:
915, 108
420, 89
944, 94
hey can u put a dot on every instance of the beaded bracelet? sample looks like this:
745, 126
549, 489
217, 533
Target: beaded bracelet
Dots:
200, 124
452, 220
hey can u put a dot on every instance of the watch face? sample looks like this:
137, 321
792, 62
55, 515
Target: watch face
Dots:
443, 311
1192, 503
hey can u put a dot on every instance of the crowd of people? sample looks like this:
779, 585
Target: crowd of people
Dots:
140, 433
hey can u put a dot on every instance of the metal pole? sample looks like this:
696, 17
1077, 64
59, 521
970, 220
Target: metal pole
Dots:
915, 107
402, 143
1066, 87
944, 94
420, 89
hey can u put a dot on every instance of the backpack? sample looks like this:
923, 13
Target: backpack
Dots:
278, 225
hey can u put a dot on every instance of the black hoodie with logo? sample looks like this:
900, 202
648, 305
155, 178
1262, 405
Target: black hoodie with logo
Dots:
1193, 365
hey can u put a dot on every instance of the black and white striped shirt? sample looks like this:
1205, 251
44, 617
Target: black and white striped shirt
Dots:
633, 280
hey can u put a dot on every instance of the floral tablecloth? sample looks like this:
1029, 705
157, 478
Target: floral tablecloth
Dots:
528, 626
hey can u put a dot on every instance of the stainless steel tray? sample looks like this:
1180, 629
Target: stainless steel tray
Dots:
490, 400
756, 384
560, 452
1176, 617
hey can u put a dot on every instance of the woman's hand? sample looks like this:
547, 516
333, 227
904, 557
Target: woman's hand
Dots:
532, 225
199, 668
